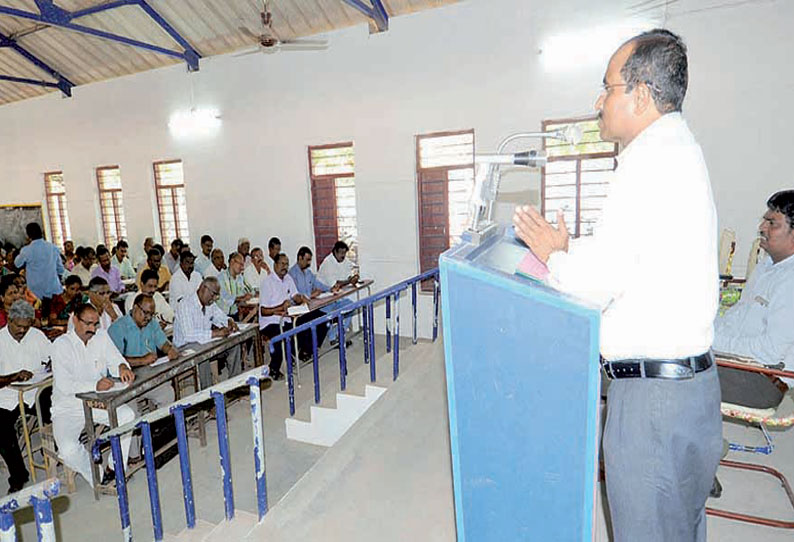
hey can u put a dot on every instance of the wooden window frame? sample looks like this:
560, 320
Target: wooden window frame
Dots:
117, 206
62, 225
172, 188
426, 253
578, 158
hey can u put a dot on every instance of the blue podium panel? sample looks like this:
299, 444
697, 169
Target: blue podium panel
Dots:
522, 383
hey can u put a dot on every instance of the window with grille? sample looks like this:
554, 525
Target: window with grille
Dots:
169, 183
111, 204
445, 178
55, 192
576, 177
333, 187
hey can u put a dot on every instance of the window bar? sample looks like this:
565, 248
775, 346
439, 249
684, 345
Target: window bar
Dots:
184, 465
225, 456
121, 487
396, 334
151, 479
175, 208
259, 446
578, 198
315, 366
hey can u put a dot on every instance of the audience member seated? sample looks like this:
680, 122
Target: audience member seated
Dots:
234, 290
171, 259
154, 262
86, 265
99, 298
761, 324
139, 337
148, 244
307, 284
337, 271
9, 294
255, 273
121, 262
82, 359
68, 258
163, 311
273, 248
199, 320
203, 258
29, 297
64, 305
243, 249
278, 293
185, 281
42, 263
106, 271
217, 264
24, 350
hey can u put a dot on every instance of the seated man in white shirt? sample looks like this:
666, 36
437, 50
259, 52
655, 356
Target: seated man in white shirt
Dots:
87, 264
273, 248
99, 297
336, 272
184, 281
203, 257
199, 320
24, 350
217, 264
256, 272
761, 324
163, 311
278, 293
148, 243
84, 360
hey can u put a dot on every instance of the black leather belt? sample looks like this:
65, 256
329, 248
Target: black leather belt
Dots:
670, 369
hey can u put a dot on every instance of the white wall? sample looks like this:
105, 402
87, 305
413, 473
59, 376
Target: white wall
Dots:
474, 64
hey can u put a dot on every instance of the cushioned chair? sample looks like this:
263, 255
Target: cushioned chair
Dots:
780, 418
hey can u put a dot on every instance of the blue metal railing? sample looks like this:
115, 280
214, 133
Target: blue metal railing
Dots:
177, 410
38, 496
367, 307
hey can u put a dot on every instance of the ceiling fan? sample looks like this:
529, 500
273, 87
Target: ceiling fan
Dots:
269, 42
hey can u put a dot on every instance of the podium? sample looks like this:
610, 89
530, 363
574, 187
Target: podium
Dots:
522, 370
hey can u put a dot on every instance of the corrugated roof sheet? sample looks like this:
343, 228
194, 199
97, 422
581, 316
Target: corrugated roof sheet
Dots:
212, 27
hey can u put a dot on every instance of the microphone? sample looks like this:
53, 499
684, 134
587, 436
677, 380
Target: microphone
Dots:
529, 158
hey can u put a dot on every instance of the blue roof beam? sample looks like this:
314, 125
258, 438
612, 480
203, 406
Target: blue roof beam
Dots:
376, 12
62, 83
54, 16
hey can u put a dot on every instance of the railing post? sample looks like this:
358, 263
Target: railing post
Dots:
184, 465
315, 365
388, 324
371, 343
365, 331
342, 353
396, 334
436, 293
414, 336
8, 531
290, 380
45, 528
151, 479
259, 446
226, 460
121, 487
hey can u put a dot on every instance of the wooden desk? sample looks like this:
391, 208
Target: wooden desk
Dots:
21, 388
148, 378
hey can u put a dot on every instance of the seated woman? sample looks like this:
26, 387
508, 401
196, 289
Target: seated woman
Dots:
9, 293
22, 283
64, 304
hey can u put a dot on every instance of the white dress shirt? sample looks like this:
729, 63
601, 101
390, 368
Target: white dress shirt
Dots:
651, 264
171, 262
761, 324
254, 278
181, 286
211, 271
193, 322
274, 291
332, 271
29, 354
161, 307
77, 367
201, 263
83, 273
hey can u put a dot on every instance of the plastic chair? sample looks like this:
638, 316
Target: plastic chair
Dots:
763, 419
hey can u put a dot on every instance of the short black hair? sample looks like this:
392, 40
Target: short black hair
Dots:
88, 251
186, 255
303, 251
79, 252
159, 248
84, 308
154, 252
206, 238
96, 282
339, 245
140, 297
273, 242
33, 230
783, 202
659, 61
122, 244
178, 242
101, 251
149, 274
73, 279
279, 256
6, 282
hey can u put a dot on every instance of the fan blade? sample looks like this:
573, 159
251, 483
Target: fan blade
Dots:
248, 52
304, 45
248, 33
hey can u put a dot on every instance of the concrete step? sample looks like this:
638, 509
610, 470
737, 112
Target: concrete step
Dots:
236, 529
197, 534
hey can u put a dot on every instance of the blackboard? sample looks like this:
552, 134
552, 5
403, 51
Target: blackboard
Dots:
14, 218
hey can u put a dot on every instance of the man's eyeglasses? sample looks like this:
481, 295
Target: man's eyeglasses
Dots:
606, 88
147, 314
89, 323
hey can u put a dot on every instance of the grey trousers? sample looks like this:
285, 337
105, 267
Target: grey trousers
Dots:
752, 390
233, 364
662, 444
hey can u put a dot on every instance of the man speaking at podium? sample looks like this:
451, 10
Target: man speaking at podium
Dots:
651, 265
